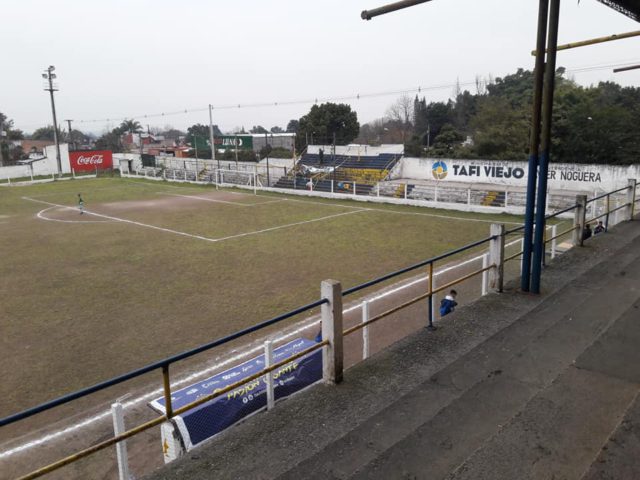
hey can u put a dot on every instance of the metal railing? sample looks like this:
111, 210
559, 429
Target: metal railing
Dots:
495, 265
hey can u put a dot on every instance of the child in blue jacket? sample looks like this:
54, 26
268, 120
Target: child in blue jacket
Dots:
448, 303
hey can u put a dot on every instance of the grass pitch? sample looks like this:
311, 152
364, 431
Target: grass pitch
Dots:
154, 268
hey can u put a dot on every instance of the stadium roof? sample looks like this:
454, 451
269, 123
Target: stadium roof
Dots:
630, 8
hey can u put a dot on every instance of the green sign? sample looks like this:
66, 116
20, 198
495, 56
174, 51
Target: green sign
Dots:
241, 142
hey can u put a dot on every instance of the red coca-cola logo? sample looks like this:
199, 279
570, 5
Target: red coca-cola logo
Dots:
92, 160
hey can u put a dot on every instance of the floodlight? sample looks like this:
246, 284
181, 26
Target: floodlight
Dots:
51, 68
44, 75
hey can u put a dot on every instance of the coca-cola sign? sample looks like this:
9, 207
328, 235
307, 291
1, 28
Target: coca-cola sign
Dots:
88, 160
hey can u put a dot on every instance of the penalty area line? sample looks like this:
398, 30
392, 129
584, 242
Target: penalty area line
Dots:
199, 237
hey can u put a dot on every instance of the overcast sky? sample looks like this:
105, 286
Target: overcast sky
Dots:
119, 58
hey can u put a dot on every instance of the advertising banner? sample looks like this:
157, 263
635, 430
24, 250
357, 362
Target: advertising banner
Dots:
561, 176
243, 142
213, 417
89, 160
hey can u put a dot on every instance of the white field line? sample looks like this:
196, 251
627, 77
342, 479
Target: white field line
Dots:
206, 199
301, 326
434, 215
41, 216
200, 237
203, 199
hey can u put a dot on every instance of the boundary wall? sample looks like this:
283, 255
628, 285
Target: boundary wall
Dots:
504, 174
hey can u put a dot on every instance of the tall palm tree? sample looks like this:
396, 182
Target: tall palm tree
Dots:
132, 126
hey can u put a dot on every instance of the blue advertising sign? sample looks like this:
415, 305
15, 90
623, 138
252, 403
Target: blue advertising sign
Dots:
213, 417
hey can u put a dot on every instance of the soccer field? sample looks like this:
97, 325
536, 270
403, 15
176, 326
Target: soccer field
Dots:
152, 269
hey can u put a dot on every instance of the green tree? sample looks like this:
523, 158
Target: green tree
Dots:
43, 133
501, 132
111, 140
329, 119
258, 129
293, 126
132, 126
276, 129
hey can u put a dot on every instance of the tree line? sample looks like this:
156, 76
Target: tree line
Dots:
593, 124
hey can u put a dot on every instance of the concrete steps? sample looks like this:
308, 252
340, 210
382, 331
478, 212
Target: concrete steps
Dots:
491, 399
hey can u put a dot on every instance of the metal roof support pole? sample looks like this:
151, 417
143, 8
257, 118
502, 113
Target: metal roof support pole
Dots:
545, 145
543, 12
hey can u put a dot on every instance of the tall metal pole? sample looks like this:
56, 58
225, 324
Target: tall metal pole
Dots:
69, 136
543, 14
545, 144
1, 140
236, 145
49, 75
211, 136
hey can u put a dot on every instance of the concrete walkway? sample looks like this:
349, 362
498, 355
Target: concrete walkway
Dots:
513, 386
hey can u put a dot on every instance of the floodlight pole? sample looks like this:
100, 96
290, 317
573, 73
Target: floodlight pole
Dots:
49, 76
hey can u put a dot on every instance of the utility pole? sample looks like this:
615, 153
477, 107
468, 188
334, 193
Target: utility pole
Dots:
69, 136
50, 76
237, 146
1, 139
211, 136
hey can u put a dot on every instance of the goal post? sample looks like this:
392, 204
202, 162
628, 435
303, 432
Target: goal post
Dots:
236, 178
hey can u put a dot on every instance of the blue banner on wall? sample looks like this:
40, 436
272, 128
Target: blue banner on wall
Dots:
213, 417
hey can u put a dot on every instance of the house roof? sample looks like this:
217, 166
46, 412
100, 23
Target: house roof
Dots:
630, 8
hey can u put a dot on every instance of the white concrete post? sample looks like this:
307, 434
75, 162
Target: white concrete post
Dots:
331, 185
365, 330
311, 183
468, 196
579, 219
496, 257
485, 275
405, 191
174, 174
631, 198
331, 312
354, 188
121, 447
506, 198
554, 232
378, 189
185, 175
73, 173
268, 378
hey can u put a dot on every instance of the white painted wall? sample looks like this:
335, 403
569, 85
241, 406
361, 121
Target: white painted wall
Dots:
562, 176
355, 149
46, 166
